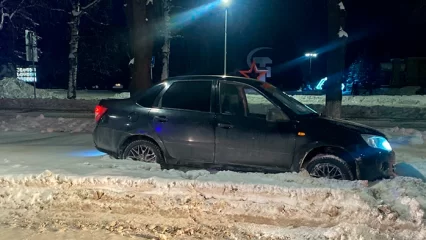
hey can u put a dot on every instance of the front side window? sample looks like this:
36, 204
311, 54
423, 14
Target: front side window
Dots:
242, 100
296, 106
188, 95
257, 104
231, 101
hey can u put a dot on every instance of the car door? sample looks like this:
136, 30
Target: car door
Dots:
183, 121
243, 136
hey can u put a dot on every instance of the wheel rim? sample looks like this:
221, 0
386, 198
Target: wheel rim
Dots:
143, 153
326, 170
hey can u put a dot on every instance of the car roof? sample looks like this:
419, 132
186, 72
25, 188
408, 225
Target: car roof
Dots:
214, 77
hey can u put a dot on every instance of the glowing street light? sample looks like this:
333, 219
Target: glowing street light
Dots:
310, 56
225, 3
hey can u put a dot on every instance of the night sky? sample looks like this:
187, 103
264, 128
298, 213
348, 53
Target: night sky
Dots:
379, 29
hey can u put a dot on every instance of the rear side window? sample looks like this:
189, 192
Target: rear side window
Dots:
148, 98
188, 95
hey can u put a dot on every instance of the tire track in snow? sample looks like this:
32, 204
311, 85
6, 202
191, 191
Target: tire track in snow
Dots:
183, 209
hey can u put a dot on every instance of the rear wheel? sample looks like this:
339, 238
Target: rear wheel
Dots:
329, 166
144, 151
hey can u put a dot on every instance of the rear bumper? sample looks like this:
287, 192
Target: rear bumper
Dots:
109, 140
376, 165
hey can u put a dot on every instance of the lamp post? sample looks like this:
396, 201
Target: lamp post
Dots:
310, 56
226, 4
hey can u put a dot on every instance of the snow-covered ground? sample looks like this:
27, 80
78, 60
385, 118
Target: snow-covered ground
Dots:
56, 185
43, 234
14, 88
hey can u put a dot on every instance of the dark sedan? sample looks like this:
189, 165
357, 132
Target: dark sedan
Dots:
230, 122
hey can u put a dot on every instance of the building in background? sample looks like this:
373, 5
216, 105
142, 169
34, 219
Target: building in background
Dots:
404, 72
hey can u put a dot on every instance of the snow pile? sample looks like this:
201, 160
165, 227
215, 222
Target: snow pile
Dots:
20, 233
123, 95
48, 104
24, 123
225, 205
374, 100
14, 88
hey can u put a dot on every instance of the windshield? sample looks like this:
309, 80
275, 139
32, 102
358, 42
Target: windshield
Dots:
296, 106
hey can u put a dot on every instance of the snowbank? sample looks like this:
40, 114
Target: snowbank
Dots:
217, 206
41, 124
14, 88
122, 95
48, 104
62, 234
397, 107
411, 107
375, 100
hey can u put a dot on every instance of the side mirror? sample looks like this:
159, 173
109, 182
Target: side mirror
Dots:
276, 115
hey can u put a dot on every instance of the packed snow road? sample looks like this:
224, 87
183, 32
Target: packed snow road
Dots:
74, 153
26, 152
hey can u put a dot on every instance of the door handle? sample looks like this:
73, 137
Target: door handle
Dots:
161, 119
225, 125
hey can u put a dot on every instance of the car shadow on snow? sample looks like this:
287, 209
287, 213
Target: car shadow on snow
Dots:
407, 170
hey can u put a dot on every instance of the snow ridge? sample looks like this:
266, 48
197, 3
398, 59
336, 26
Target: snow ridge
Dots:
182, 209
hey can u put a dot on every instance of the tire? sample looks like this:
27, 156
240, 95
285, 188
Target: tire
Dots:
149, 146
329, 166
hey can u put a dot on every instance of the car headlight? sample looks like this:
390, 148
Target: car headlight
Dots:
377, 142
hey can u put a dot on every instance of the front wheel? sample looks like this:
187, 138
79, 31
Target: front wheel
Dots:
144, 151
329, 166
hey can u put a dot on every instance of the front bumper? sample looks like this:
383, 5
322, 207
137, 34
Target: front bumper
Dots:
375, 165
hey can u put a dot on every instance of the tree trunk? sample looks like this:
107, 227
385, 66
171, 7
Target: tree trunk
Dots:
142, 33
73, 55
336, 59
166, 59
167, 39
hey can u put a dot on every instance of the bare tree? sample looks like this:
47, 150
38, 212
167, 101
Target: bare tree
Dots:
15, 17
77, 11
336, 57
167, 39
17, 12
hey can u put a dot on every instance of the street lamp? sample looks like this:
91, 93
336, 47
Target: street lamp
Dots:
225, 3
310, 56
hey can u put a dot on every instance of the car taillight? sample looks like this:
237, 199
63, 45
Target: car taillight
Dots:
99, 112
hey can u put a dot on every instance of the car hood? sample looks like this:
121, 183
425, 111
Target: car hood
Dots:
351, 126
